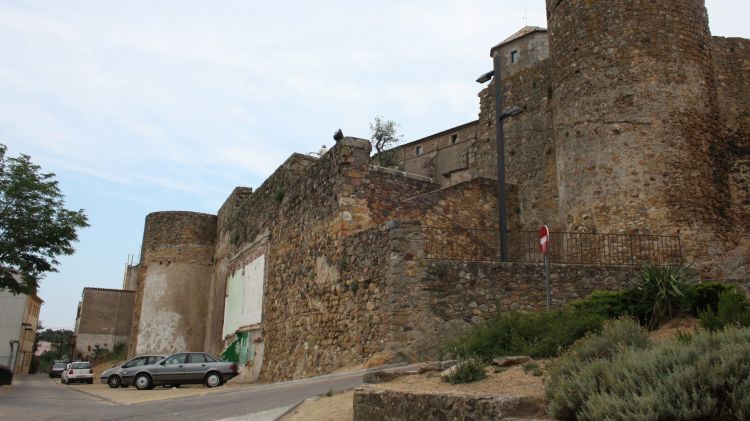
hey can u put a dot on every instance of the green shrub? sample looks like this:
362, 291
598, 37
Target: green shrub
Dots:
661, 291
707, 378
732, 309
705, 294
467, 370
609, 304
534, 334
533, 368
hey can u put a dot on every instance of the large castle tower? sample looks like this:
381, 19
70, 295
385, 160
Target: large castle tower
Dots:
173, 282
634, 119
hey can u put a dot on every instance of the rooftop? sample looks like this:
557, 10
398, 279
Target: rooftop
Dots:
526, 30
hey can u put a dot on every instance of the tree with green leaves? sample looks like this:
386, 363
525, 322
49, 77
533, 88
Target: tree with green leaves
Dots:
384, 134
35, 226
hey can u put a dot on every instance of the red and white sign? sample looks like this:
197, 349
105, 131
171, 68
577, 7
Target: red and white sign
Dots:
544, 239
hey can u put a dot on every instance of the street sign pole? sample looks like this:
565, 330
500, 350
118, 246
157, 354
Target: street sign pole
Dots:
544, 249
546, 280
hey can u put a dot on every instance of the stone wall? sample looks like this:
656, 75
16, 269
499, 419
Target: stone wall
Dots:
105, 318
472, 204
438, 298
635, 121
530, 44
731, 64
173, 283
441, 156
530, 155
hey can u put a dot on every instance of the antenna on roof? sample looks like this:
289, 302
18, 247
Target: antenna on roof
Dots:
525, 17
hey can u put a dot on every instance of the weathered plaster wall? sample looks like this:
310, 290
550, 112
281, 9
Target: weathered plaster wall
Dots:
130, 279
244, 298
105, 318
173, 283
224, 253
11, 316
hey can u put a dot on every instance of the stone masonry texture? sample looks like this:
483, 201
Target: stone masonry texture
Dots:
636, 123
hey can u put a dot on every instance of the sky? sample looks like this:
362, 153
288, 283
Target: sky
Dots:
145, 106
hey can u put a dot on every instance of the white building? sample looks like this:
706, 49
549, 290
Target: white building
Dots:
19, 316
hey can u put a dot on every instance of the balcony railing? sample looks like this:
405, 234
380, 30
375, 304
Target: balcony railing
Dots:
482, 244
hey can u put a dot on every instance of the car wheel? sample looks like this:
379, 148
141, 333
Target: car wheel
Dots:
90, 381
214, 379
143, 382
114, 382
62, 381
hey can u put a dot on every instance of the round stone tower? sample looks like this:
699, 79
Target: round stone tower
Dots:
634, 119
174, 282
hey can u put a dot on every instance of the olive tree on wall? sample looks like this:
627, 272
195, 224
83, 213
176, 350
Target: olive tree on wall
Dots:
383, 136
35, 226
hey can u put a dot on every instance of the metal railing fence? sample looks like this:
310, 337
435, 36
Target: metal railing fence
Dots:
483, 244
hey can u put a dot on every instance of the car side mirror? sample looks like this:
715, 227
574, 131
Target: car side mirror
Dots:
161, 363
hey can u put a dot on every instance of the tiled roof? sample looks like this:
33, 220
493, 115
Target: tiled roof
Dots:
520, 34
108, 289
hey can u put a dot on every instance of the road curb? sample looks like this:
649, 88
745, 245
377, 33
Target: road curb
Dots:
93, 395
295, 406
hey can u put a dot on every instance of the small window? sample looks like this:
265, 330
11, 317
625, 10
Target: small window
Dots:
197, 358
154, 360
514, 56
454, 138
135, 362
176, 359
418, 150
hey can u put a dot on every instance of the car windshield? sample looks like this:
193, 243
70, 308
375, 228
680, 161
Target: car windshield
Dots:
58, 366
80, 366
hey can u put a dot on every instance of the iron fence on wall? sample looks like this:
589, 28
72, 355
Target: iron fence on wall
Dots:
483, 244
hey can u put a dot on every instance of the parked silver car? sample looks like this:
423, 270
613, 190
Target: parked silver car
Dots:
181, 368
113, 376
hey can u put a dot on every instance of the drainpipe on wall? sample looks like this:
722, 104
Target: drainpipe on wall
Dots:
12, 358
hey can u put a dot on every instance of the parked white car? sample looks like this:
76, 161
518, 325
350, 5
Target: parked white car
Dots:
78, 371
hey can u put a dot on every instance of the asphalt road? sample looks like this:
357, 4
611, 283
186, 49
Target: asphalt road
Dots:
35, 397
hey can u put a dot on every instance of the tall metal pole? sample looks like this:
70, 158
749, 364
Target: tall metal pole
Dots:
500, 138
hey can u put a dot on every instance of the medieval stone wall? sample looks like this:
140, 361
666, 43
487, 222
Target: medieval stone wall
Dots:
530, 163
635, 121
731, 58
173, 282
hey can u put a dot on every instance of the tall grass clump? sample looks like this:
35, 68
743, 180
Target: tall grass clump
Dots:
467, 370
661, 291
619, 374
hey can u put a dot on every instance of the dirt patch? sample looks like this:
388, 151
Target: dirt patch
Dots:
324, 408
669, 330
101, 368
511, 381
